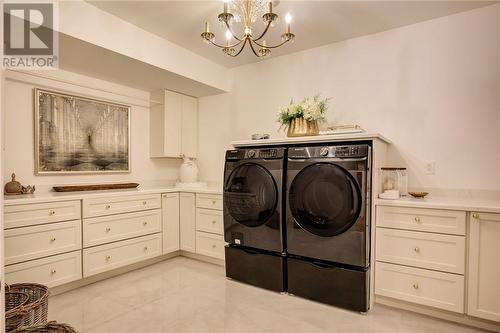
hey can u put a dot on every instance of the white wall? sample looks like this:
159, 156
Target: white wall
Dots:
19, 135
432, 87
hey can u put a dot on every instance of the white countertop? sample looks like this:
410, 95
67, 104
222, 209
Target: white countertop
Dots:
467, 204
311, 139
65, 196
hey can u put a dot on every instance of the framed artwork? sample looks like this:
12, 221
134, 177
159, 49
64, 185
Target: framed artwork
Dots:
79, 135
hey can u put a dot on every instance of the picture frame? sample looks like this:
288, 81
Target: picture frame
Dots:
80, 135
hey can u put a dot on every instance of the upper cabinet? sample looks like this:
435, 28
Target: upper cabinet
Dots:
173, 125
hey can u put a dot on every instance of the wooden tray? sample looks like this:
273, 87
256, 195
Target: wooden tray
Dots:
98, 187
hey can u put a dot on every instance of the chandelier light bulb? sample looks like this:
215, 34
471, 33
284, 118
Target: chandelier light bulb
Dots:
228, 35
288, 18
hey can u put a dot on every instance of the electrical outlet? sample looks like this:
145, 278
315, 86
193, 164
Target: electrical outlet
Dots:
430, 167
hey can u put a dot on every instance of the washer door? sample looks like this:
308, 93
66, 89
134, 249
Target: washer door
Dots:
325, 199
250, 194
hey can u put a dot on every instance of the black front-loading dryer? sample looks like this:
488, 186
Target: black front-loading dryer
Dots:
328, 224
253, 217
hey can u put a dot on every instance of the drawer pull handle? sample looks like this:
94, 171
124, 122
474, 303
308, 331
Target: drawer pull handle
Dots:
145, 248
416, 249
108, 206
417, 219
108, 258
475, 215
52, 212
144, 203
415, 286
52, 272
145, 223
108, 229
52, 239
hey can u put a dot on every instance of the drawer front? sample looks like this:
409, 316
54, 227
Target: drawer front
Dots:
209, 201
40, 213
101, 230
420, 219
28, 243
210, 245
440, 290
51, 271
121, 204
110, 256
420, 249
209, 220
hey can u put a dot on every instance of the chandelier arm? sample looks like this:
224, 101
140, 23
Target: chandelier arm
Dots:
232, 33
253, 49
242, 47
224, 46
271, 47
264, 32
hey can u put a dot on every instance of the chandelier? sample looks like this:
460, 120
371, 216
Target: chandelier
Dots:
247, 12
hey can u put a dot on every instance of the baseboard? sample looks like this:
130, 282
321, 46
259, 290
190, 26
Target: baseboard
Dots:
442, 314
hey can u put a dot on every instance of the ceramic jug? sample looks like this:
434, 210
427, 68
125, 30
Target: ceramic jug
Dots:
189, 170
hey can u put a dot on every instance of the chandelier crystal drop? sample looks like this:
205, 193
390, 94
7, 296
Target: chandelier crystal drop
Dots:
248, 12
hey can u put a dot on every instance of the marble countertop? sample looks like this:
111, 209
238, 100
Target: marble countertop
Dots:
66, 196
311, 139
489, 205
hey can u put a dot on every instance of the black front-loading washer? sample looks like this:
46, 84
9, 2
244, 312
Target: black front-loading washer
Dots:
253, 217
328, 224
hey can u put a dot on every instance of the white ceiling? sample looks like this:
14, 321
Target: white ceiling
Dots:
315, 23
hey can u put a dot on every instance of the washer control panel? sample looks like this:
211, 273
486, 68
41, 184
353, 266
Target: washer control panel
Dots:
257, 153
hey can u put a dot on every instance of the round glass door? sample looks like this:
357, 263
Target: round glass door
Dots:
250, 194
325, 199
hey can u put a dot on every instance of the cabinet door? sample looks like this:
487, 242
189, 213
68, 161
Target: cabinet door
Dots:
173, 124
484, 266
189, 135
170, 207
187, 215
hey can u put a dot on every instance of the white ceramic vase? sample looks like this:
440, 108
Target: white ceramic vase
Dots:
188, 171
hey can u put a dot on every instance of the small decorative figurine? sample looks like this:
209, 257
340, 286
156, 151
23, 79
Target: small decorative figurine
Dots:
14, 187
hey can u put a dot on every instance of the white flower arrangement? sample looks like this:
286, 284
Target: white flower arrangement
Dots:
311, 109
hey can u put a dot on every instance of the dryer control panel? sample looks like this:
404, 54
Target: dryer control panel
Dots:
257, 153
348, 151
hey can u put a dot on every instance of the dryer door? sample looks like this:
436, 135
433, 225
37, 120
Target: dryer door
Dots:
250, 194
325, 199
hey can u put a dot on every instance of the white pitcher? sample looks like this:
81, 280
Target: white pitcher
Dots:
189, 170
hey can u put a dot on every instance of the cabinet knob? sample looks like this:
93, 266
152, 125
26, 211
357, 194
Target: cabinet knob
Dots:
144, 203
214, 221
108, 229
145, 248
214, 202
52, 272
417, 219
145, 223
475, 215
415, 286
108, 206
108, 258
52, 239
416, 249
52, 212
214, 246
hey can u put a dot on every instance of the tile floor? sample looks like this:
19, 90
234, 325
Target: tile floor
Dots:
184, 295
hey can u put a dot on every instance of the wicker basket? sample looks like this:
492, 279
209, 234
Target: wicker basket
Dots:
50, 327
37, 306
14, 310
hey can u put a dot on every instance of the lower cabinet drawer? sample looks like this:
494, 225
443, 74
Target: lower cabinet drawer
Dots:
421, 249
107, 229
22, 244
51, 271
103, 258
441, 290
210, 245
209, 220
209, 201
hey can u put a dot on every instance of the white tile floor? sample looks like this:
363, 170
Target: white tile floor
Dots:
184, 295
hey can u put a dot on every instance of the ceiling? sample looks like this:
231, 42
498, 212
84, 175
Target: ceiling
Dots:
315, 23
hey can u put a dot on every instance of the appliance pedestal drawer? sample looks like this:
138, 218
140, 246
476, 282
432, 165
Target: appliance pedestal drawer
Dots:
421, 286
103, 258
330, 284
255, 267
52, 271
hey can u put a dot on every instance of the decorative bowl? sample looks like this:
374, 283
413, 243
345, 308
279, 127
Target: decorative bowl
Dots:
418, 194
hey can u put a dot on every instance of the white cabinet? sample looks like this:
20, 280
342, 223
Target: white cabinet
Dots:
173, 125
170, 209
187, 222
484, 266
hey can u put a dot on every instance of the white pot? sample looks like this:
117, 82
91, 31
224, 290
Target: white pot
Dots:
189, 171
